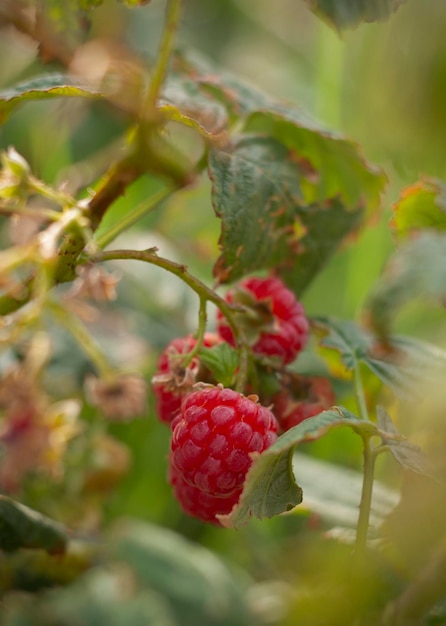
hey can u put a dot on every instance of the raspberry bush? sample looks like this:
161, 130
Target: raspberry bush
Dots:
200, 305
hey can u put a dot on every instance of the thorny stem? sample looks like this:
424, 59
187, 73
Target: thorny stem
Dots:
365, 504
73, 324
166, 46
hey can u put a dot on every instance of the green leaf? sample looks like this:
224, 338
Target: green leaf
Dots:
238, 97
408, 455
42, 87
348, 13
222, 360
405, 365
332, 165
270, 487
417, 270
197, 586
420, 206
266, 223
352, 342
256, 191
184, 102
333, 492
21, 527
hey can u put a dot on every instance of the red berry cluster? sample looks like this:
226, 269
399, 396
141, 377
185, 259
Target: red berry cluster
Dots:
212, 440
172, 381
284, 332
215, 430
301, 397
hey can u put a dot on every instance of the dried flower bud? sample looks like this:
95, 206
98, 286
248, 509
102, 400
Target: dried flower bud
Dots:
14, 174
94, 282
120, 399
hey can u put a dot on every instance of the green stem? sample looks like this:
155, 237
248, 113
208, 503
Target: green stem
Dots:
47, 214
359, 393
203, 292
242, 374
150, 256
63, 199
83, 337
202, 322
166, 46
365, 504
145, 207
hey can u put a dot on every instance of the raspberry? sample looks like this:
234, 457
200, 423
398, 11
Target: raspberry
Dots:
282, 328
213, 438
314, 395
172, 381
199, 504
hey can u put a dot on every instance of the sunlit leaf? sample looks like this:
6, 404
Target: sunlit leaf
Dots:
270, 486
347, 13
47, 86
21, 527
416, 270
420, 206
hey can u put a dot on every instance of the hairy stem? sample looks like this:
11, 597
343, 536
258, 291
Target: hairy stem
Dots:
150, 256
359, 393
202, 321
166, 46
365, 504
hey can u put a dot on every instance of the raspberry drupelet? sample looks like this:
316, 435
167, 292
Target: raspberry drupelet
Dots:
212, 441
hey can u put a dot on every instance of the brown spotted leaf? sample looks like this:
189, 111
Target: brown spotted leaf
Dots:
349, 13
266, 220
256, 193
420, 206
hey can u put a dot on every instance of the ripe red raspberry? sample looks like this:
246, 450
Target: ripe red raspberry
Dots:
171, 382
214, 436
276, 314
309, 396
199, 504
